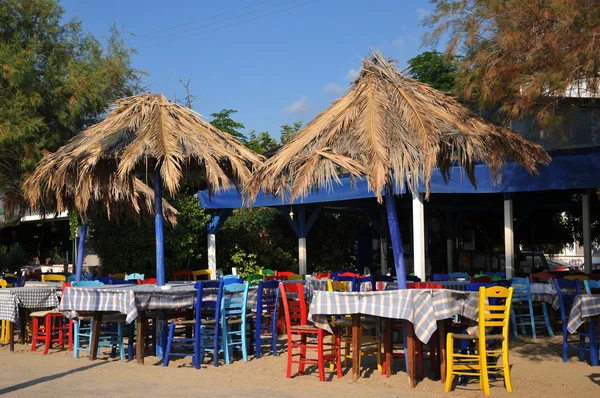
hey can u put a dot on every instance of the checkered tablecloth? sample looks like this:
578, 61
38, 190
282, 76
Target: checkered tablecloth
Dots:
584, 307
57, 285
126, 299
545, 292
422, 307
33, 298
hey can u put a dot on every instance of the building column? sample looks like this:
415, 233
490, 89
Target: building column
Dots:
509, 239
587, 233
419, 235
302, 256
212, 255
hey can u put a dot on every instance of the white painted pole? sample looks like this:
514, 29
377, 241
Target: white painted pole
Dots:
509, 239
302, 255
212, 255
383, 247
587, 234
450, 254
419, 235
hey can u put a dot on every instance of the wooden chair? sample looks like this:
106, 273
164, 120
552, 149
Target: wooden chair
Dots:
592, 287
267, 271
458, 276
147, 281
283, 273
134, 277
298, 332
53, 328
53, 278
10, 279
272, 278
494, 311
119, 275
579, 277
266, 316
295, 277
254, 279
523, 309
183, 275
201, 274
233, 319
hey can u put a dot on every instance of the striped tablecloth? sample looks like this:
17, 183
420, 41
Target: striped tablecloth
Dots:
584, 306
32, 298
422, 307
452, 285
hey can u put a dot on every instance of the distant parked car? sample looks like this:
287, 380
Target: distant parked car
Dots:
531, 262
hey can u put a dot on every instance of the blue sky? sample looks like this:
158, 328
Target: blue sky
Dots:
275, 61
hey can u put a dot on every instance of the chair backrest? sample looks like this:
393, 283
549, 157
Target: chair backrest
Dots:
147, 281
134, 277
182, 275
592, 287
3, 284
494, 310
254, 279
482, 279
118, 275
295, 310
359, 281
348, 273
267, 271
521, 289
109, 280
201, 274
439, 277
542, 277
376, 281
207, 307
53, 278
71, 278
272, 278
579, 277
284, 273
474, 286
232, 279
267, 297
424, 285
294, 277
566, 290
86, 283
323, 275
337, 286
233, 303
412, 278
457, 276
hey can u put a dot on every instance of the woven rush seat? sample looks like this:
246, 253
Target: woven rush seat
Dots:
463, 336
39, 314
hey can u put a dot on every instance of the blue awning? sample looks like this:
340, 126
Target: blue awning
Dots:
575, 169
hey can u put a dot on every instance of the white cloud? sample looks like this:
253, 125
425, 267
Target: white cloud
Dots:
422, 13
333, 88
352, 74
298, 106
399, 42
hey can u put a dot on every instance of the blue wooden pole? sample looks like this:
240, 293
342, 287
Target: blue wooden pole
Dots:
158, 227
80, 255
392, 216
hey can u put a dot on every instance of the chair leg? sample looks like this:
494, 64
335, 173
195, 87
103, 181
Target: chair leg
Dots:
593, 343
483, 368
320, 360
532, 320
506, 368
121, 345
565, 347
167, 352
48, 336
582, 347
274, 336
288, 373
35, 333
244, 342
130, 340
547, 320
302, 363
258, 329
338, 353
449, 362
76, 339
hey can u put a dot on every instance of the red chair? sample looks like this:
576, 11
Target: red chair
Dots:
481, 279
55, 328
185, 274
298, 332
147, 281
425, 285
272, 278
323, 275
352, 274
284, 273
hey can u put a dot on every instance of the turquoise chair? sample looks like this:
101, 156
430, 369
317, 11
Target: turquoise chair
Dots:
134, 277
112, 336
233, 313
589, 285
526, 316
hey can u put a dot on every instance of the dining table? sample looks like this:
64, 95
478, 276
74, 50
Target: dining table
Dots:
585, 308
424, 310
16, 302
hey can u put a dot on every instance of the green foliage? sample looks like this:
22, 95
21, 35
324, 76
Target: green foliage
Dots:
12, 258
73, 223
223, 121
55, 79
262, 143
245, 262
126, 246
432, 67
288, 132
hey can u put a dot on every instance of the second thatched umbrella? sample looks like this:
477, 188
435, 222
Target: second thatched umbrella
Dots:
144, 132
390, 129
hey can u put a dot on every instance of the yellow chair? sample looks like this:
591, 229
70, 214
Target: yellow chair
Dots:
9, 275
4, 332
492, 313
295, 277
197, 275
119, 275
577, 278
53, 278
368, 344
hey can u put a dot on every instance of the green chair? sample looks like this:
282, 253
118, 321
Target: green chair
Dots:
267, 271
253, 279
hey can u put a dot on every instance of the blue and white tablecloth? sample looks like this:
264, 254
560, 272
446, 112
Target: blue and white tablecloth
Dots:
584, 307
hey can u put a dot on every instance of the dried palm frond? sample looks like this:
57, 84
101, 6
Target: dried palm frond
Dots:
390, 129
98, 167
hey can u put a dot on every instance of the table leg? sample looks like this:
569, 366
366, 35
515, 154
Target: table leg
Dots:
388, 348
141, 337
442, 348
355, 346
96, 330
23, 315
11, 336
412, 368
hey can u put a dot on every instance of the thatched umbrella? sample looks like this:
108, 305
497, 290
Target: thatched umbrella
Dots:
390, 129
141, 133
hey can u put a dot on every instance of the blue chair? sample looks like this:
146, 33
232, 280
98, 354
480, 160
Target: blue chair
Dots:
439, 277
358, 282
231, 279
71, 278
233, 313
266, 316
377, 279
111, 332
109, 280
474, 287
566, 291
134, 277
521, 300
591, 286
205, 328
457, 276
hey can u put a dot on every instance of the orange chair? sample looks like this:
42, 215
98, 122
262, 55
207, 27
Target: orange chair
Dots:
183, 275
298, 332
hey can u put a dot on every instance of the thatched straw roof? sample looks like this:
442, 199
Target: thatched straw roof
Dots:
390, 128
140, 133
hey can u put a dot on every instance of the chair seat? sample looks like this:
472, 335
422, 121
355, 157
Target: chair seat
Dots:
461, 336
305, 328
114, 318
40, 314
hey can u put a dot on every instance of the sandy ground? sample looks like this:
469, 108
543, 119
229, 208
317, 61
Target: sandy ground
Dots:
537, 371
